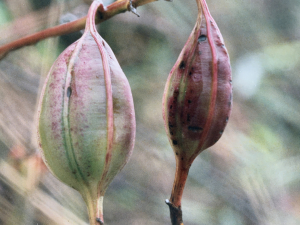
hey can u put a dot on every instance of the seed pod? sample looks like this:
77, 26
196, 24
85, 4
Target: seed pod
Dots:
197, 97
86, 117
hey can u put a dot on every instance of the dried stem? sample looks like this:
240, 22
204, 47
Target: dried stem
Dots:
104, 14
175, 214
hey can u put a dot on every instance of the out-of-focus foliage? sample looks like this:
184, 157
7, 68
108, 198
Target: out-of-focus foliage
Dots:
251, 176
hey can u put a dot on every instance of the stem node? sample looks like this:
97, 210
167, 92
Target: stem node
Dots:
175, 213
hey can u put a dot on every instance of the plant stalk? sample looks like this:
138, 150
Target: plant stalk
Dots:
104, 13
174, 202
95, 208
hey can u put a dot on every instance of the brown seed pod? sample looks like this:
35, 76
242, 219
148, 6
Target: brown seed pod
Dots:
198, 96
86, 117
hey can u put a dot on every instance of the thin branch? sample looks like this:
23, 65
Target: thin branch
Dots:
105, 13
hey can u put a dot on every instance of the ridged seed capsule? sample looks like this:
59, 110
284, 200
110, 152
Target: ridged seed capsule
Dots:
86, 117
197, 99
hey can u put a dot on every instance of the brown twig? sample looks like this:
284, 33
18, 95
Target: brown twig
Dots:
104, 14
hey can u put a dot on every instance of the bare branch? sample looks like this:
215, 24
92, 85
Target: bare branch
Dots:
104, 14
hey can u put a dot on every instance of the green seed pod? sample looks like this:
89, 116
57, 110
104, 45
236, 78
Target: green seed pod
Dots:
86, 124
198, 97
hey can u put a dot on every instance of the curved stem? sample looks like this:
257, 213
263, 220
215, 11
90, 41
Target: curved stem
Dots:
50, 32
104, 14
109, 98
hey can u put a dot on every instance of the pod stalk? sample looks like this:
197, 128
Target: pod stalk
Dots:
95, 209
174, 202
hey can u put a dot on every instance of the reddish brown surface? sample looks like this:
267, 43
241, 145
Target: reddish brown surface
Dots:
197, 98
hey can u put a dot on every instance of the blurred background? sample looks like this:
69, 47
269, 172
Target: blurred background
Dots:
250, 177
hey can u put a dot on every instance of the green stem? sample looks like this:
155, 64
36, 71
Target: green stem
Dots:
95, 208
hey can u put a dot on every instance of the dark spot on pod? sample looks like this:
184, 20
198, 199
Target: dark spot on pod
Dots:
182, 65
88, 174
176, 93
171, 106
171, 133
188, 118
221, 132
74, 171
177, 153
195, 128
181, 158
202, 38
189, 101
175, 142
191, 71
103, 43
69, 92
170, 125
227, 118
200, 53
230, 81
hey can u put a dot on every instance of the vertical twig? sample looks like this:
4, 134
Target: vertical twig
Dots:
174, 202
